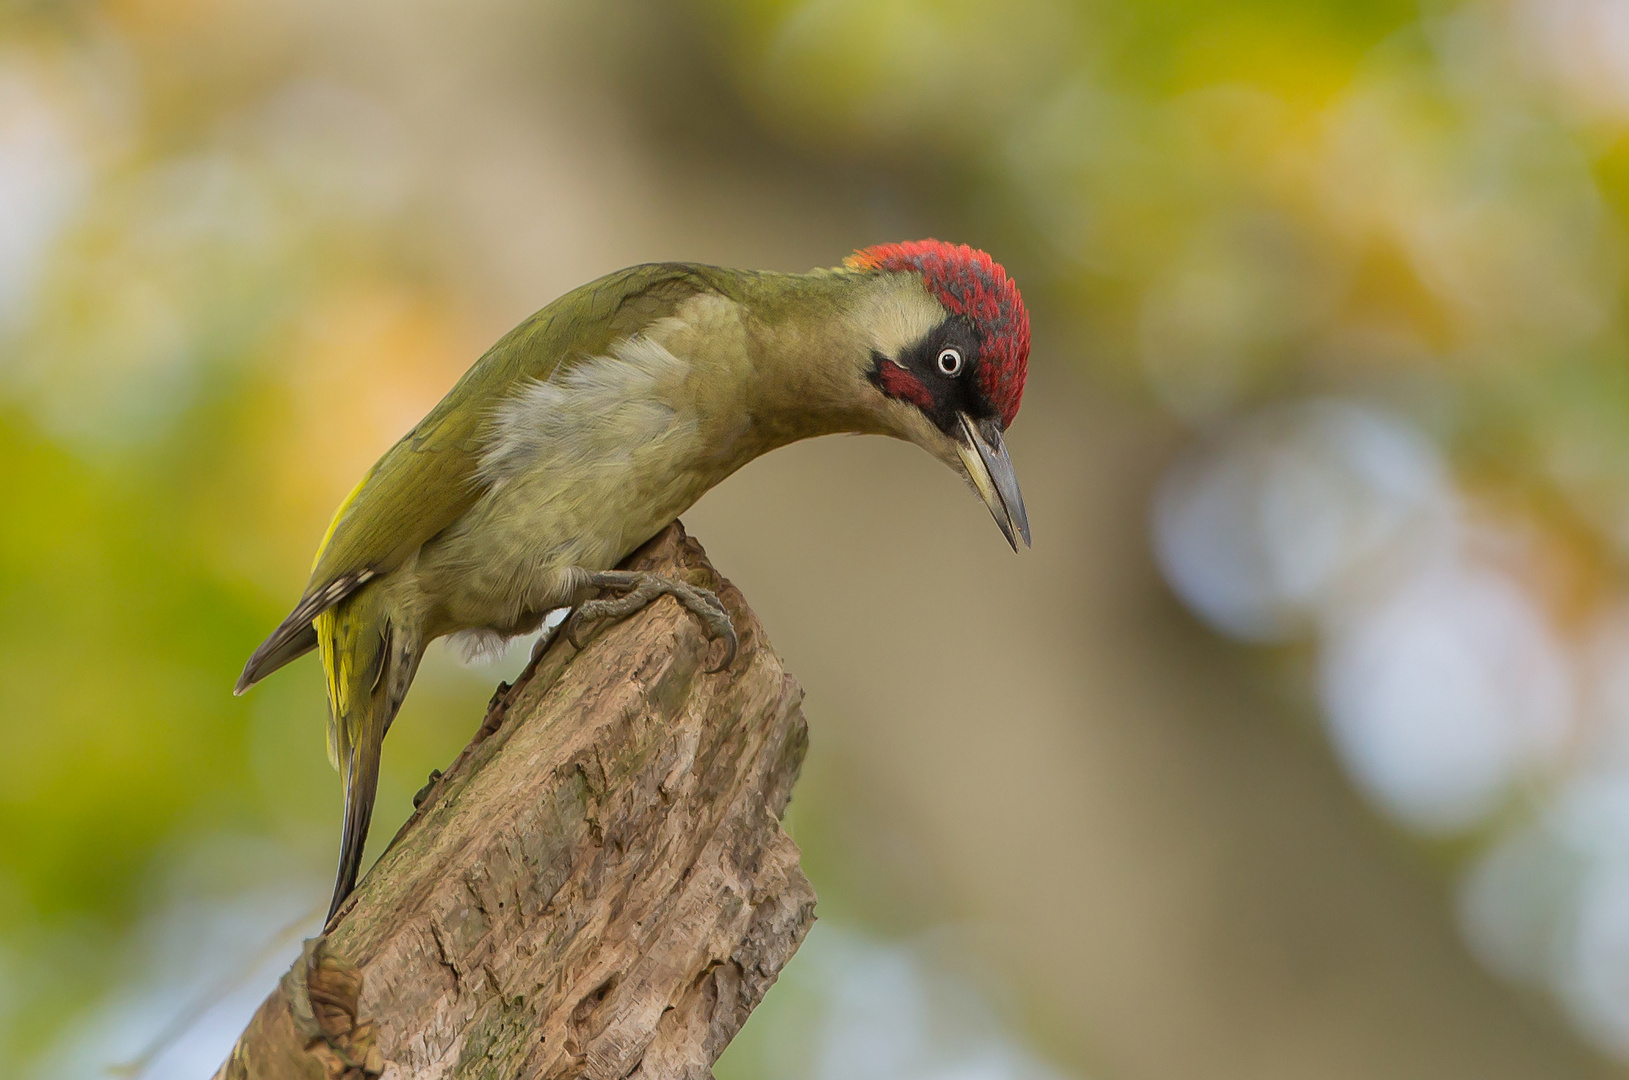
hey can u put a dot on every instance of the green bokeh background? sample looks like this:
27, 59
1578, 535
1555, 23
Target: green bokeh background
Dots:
243, 246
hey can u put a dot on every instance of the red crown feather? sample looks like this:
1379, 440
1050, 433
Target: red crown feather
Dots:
968, 282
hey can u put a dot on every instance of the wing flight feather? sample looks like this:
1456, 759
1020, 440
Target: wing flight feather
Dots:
429, 478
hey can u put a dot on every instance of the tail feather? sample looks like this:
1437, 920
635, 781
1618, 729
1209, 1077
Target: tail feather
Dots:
369, 667
361, 785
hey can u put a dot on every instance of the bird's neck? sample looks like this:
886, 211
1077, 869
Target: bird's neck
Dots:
809, 345
769, 359
772, 359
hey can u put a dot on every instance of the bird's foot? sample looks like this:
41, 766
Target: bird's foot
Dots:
638, 588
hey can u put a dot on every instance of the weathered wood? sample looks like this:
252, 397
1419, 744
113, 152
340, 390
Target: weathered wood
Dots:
599, 886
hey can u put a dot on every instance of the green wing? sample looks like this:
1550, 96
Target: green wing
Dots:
428, 480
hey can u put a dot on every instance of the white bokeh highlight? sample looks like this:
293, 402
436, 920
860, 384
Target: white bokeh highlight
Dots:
43, 177
851, 1006
1453, 699
1443, 692
1263, 526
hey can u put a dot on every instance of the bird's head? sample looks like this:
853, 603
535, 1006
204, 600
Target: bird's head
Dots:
949, 353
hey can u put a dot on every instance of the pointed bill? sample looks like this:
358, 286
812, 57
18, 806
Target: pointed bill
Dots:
984, 456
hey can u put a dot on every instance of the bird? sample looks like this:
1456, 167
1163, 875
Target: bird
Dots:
596, 422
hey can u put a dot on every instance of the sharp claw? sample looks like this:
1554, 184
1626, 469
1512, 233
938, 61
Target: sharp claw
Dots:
636, 593
572, 626
729, 653
723, 627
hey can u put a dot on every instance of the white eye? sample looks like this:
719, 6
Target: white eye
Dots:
950, 361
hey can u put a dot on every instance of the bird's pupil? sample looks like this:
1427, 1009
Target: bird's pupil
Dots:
949, 361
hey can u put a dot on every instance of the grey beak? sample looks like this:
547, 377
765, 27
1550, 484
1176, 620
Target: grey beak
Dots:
984, 456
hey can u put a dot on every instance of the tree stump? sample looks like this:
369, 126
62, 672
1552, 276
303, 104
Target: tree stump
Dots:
599, 886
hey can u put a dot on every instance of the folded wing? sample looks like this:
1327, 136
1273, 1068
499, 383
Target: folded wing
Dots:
429, 479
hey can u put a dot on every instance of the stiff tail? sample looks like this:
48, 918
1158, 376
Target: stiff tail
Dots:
369, 666
361, 785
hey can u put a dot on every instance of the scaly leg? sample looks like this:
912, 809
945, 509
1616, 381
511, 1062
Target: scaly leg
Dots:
638, 588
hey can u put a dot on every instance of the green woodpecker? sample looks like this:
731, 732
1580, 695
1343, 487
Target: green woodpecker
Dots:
597, 421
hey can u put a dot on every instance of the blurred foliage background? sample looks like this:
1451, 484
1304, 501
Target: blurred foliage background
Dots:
1299, 745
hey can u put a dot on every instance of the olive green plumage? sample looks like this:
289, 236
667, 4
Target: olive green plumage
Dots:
575, 438
424, 482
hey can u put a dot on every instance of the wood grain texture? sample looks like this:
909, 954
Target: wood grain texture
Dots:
598, 887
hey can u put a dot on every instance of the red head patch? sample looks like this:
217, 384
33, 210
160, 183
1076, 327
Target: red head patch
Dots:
968, 282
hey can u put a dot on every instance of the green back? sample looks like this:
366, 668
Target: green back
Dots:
428, 480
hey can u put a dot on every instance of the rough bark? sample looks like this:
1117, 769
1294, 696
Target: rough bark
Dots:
598, 887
